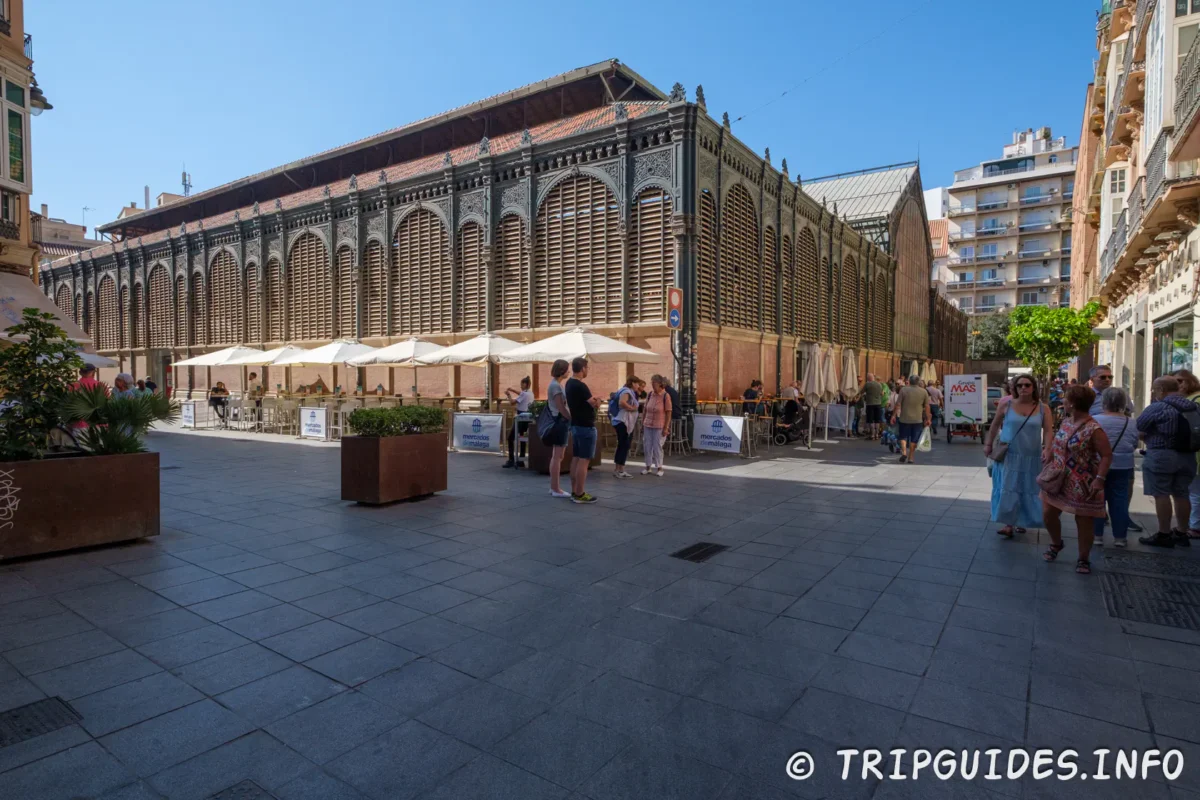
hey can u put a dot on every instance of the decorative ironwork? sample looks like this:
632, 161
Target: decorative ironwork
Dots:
10, 230
653, 164
1156, 169
1187, 87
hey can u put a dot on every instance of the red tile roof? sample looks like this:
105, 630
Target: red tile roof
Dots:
939, 233
542, 134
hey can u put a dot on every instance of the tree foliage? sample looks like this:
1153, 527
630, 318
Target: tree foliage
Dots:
115, 425
35, 373
1046, 338
991, 341
401, 421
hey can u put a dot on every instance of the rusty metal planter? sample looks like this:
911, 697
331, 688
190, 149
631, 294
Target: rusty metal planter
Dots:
64, 503
383, 469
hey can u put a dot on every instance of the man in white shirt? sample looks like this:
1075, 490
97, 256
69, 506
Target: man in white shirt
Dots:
521, 399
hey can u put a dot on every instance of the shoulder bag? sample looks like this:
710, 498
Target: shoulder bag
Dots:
1000, 449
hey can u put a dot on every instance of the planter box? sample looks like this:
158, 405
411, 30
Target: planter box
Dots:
64, 503
539, 454
379, 470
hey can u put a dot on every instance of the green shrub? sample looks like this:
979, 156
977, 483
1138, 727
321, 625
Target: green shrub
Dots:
36, 369
535, 408
116, 425
401, 421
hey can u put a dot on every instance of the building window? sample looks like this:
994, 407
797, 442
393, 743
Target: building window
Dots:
14, 120
1070, 186
987, 301
1053, 159
988, 275
1187, 35
967, 252
1118, 205
1181, 7
1116, 182
14, 93
1030, 298
963, 277
965, 303
989, 251
10, 206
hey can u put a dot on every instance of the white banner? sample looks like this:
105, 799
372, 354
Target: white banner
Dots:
717, 434
966, 399
187, 413
481, 432
313, 423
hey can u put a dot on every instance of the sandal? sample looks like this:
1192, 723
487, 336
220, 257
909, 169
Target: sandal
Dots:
1007, 531
1083, 567
1053, 552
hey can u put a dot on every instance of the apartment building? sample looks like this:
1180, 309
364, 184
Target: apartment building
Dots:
1144, 188
1009, 226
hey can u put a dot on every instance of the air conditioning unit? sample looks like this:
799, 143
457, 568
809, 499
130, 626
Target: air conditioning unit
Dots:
1053, 190
1042, 290
1012, 186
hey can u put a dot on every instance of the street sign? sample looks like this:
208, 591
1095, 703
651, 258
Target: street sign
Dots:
674, 308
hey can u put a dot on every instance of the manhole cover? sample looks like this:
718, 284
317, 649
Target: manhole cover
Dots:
702, 551
35, 719
1149, 562
1160, 601
246, 790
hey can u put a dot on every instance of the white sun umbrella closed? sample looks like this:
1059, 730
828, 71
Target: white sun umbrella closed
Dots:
577, 343
482, 351
829, 381
329, 355
849, 380
219, 358
812, 372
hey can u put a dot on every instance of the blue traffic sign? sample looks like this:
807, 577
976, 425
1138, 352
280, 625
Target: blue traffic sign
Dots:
674, 319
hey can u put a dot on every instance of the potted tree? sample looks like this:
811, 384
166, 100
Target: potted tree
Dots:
395, 454
74, 471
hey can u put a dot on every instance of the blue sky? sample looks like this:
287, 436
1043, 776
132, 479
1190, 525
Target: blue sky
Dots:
231, 88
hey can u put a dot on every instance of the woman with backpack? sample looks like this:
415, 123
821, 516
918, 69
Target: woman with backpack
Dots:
623, 413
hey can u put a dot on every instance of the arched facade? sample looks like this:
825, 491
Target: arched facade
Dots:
769, 284
225, 300
108, 317
809, 279
62, 299
848, 318
197, 308
421, 275
160, 304
254, 304
274, 310
577, 255
652, 260
137, 318
347, 293
706, 259
89, 303
741, 270
791, 298
375, 289
511, 296
310, 290
182, 337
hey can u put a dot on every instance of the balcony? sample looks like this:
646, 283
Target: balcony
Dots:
960, 285
1040, 253
1187, 102
980, 174
1066, 251
10, 230
998, 230
991, 283
955, 260
993, 205
961, 211
982, 309
1047, 225
1068, 195
1141, 21
1038, 280
992, 258
959, 236
1039, 199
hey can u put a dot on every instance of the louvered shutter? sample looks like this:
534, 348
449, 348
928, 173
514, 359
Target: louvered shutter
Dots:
159, 303
706, 260
653, 257
123, 322
375, 288
181, 312
512, 274
825, 321
254, 299
310, 290
421, 275
741, 270
62, 299
847, 299
347, 294
471, 281
789, 288
808, 295
770, 278
274, 301
197, 318
577, 255
225, 308
137, 321
879, 313
106, 322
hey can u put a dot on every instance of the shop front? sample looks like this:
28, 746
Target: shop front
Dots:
1173, 343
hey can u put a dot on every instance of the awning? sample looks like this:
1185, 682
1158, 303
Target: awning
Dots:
18, 293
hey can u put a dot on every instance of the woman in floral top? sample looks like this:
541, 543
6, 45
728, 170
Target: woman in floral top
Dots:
1079, 461
655, 424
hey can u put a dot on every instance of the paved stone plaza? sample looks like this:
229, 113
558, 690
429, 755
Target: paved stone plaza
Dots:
494, 642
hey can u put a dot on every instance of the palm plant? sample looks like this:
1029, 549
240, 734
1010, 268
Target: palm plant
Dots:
115, 425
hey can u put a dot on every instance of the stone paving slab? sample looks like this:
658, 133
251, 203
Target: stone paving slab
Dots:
495, 642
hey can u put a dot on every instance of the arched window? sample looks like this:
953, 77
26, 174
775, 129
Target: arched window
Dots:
808, 290
181, 311
310, 290
790, 299
770, 276
421, 275
108, 316
741, 270
512, 274
254, 327
653, 257
848, 303
197, 318
470, 282
89, 304
273, 300
137, 318
374, 290
62, 299
225, 300
347, 326
824, 323
123, 321
577, 255
160, 303
706, 260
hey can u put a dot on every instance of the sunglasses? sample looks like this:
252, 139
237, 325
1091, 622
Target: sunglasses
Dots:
1024, 385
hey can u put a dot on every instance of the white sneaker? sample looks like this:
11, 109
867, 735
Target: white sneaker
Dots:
559, 493
1119, 543
660, 472
646, 471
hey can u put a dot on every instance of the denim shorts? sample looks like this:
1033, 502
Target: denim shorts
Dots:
583, 442
1167, 472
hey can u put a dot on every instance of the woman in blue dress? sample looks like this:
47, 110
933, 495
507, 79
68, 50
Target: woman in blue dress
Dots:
1025, 425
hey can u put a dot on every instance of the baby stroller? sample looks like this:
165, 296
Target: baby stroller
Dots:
792, 424
890, 437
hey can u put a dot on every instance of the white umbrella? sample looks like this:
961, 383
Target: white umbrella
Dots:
220, 358
930, 373
829, 381
812, 372
97, 360
329, 355
400, 354
577, 343
261, 358
483, 349
849, 380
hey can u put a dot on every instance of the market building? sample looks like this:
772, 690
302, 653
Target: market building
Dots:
573, 201
1144, 188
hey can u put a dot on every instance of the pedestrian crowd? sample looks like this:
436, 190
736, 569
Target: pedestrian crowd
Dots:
1084, 465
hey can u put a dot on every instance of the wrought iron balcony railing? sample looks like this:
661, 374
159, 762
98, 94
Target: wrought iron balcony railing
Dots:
1187, 88
10, 230
993, 205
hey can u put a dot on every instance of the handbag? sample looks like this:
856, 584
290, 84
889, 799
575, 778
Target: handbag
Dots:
550, 426
1000, 449
1051, 478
